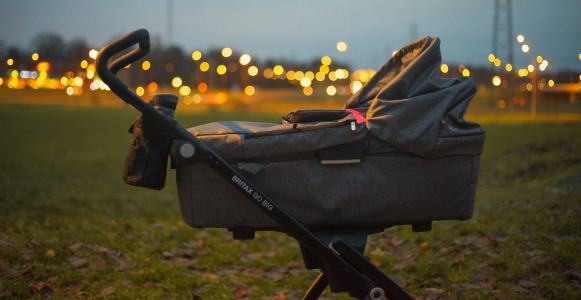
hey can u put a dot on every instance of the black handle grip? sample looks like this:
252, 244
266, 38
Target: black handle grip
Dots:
107, 71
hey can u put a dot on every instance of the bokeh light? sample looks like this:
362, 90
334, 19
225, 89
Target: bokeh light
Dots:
278, 70
331, 90
249, 90
176, 82
196, 55
531, 68
152, 87
204, 66
355, 86
202, 87
93, 53
320, 76
221, 69
146, 65
332, 76
185, 90
299, 75
245, 59
501, 104
525, 48
341, 74
253, 71
267, 73
187, 100
227, 52
305, 82
140, 91
43, 66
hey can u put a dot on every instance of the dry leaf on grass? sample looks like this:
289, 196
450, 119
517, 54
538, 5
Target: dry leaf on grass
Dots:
107, 291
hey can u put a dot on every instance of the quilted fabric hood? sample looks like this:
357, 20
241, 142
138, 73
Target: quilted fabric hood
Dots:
408, 108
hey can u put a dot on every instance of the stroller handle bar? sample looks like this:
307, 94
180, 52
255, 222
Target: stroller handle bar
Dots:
107, 71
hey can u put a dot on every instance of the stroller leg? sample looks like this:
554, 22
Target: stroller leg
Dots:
391, 289
317, 288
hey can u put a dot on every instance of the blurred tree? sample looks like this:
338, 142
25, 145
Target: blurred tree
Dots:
78, 49
2, 49
14, 53
3, 57
19, 57
49, 46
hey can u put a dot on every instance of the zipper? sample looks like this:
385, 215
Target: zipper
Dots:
302, 127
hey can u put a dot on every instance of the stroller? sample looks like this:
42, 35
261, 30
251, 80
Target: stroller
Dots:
400, 153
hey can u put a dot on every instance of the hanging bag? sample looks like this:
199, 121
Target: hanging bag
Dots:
146, 162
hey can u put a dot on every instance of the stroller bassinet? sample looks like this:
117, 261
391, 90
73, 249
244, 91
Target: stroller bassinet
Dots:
399, 153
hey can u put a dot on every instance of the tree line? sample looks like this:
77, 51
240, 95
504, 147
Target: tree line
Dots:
166, 63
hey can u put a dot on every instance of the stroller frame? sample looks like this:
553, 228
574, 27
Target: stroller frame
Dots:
337, 253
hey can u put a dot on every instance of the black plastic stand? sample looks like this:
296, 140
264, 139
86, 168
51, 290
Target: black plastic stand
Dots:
350, 246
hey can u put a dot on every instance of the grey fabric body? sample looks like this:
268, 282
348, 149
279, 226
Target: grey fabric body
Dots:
421, 162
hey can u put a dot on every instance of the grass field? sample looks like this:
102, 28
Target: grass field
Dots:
70, 228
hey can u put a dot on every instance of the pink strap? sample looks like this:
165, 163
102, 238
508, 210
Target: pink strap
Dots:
359, 117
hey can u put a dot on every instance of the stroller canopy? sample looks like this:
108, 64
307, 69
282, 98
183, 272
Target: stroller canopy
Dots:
407, 107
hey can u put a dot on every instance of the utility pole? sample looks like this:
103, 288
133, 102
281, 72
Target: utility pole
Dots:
502, 36
502, 41
169, 22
